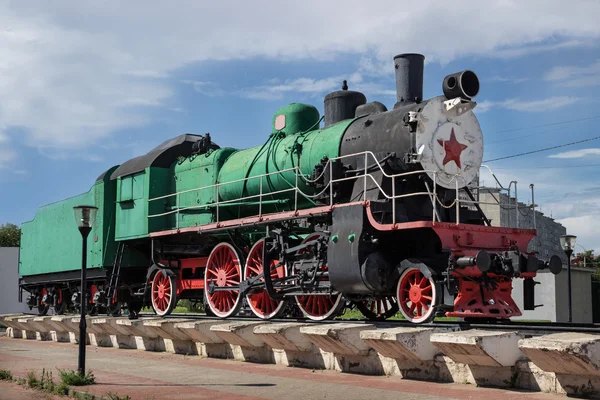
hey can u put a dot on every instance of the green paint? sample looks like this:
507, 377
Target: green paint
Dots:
351, 237
51, 242
335, 238
197, 171
279, 153
297, 118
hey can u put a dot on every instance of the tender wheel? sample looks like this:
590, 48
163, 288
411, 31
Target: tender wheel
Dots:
319, 307
417, 295
164, 293
261, 304
223, 270
378, 308
43, 302
61, 303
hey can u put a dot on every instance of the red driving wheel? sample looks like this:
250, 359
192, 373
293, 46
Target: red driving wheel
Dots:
164, 295
261, 304
223, 270
416, 295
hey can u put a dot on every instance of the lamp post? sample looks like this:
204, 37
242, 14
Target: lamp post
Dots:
84, 217
567, 242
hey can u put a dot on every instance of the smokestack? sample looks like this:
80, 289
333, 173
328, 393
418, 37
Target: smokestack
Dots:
409, 78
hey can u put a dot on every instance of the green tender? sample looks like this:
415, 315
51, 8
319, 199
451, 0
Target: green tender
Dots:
51, 242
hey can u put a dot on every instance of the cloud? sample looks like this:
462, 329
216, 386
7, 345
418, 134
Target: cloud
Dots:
548, 104
585, 227
210, 89
508, 79
575, 76
276, 90
71, 74
577, 153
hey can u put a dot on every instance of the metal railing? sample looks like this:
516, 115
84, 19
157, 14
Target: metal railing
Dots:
296, 190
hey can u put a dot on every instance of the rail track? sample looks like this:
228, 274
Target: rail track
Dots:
532, 327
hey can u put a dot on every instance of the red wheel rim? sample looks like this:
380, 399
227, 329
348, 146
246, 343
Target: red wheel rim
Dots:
162, 293
260, 302
416, 295
318, 307
379, 308
222, 270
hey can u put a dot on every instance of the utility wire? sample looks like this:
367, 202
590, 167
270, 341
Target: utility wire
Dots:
550, 124
546, 149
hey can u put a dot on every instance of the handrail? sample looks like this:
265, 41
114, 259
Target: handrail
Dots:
305, 179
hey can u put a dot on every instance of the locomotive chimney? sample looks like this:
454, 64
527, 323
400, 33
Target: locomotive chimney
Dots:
409, 78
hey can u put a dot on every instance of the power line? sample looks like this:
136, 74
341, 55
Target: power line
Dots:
550, 124
564, 166
546, 149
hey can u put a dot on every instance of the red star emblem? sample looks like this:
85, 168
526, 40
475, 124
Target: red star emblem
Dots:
453, 149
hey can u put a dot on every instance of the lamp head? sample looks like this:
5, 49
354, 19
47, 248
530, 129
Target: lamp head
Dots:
85, 216
567, 242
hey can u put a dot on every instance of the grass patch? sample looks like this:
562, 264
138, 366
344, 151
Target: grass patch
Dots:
354, 313
45, 383
5, 375
73, 378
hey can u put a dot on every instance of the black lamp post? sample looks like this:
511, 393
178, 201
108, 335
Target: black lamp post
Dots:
84, 217
567, 242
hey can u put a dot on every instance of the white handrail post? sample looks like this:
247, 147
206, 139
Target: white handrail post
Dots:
330, 183
177, 215
260, 196
296, 191
393, 199
365, 179
516, 204
457, 204
217, 199
434, 195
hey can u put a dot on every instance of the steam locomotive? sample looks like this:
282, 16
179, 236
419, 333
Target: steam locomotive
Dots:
372, 210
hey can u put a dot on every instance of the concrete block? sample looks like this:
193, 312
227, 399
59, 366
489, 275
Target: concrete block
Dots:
42, 327
169, 338
28, 330
57, 323
284, 336
144, 338
342, 349
342, 338
290, 347
245, 345
116, 335
480, 347
13, 333
567, 353
402, 343
208, 343
59, 330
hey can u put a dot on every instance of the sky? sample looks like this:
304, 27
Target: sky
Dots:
88, 85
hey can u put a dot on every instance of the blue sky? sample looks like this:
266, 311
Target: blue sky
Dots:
85, 87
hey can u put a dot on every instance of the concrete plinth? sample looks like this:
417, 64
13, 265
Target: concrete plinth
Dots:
245, 345
343, 349
565, 353
290, 347
208, 343
405, 352
571, 361
28, 331
479, 347
173, 340
42, 327
144, 338
59, 329
402, 343
118, 336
